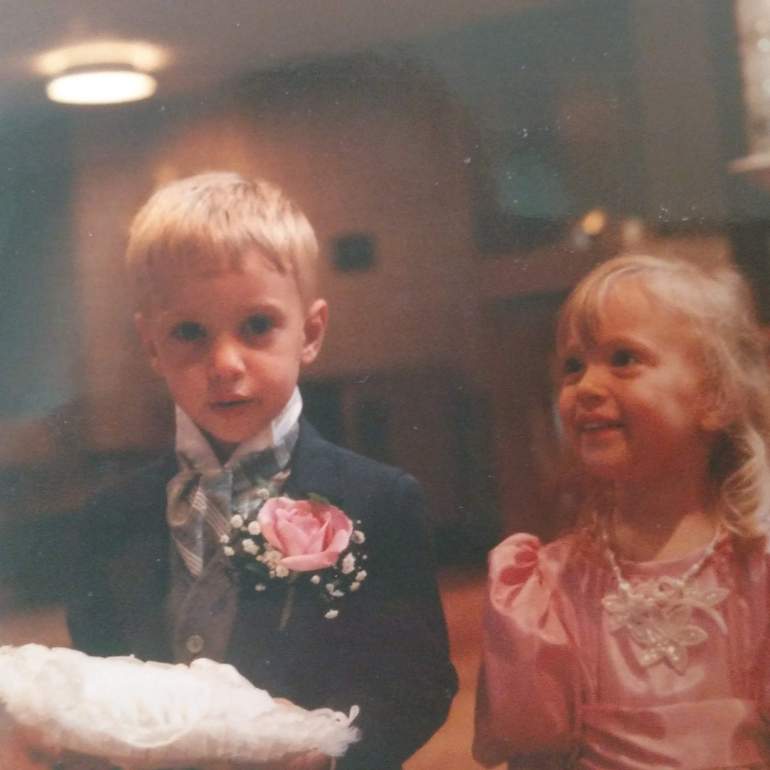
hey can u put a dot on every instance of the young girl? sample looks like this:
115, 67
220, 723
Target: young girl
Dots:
640, 640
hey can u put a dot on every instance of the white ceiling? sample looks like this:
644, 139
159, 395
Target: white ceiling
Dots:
211, 40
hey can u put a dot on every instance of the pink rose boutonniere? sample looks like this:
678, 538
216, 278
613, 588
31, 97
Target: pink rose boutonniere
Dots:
299, 541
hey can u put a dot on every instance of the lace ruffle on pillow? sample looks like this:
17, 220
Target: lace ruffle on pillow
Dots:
148, 714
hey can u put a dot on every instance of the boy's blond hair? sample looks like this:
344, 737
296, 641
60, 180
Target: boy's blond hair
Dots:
216, 220
717, 311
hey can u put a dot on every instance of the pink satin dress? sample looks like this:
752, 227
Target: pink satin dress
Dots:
559, 688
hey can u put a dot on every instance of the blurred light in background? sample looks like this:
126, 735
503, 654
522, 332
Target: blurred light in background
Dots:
753, 22
594, 222
102, 71
102, 86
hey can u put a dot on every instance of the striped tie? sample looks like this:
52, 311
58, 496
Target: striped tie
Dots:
200, 505
199, 514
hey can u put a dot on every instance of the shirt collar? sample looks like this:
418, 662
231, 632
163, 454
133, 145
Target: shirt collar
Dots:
193, 450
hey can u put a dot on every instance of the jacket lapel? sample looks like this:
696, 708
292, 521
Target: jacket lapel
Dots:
314, 468
260, 651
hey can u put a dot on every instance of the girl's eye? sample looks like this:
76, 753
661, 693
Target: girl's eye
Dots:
258, 324
188, 331
571, 365
623, 357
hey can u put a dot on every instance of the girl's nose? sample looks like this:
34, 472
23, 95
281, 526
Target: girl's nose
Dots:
592, 386
226, 360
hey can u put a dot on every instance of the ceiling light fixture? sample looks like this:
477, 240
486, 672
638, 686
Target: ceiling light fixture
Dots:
104, 85
101, 72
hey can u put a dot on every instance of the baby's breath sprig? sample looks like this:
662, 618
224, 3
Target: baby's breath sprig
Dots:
262, 559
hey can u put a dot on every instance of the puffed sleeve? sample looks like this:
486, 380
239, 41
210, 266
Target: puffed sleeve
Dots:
529, 679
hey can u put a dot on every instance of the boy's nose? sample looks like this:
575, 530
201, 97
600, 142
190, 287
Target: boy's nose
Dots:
226, 360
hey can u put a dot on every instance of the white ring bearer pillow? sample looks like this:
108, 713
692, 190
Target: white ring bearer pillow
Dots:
146, 715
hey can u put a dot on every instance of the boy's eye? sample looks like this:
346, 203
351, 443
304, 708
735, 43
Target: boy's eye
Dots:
623, 357
258, 324
188, 331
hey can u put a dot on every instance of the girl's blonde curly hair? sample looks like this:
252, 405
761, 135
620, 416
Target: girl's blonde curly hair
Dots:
717, 306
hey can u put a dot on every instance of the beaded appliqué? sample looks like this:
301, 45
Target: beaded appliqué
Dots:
657, 613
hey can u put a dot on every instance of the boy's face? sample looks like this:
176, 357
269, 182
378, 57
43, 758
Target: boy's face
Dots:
230, 344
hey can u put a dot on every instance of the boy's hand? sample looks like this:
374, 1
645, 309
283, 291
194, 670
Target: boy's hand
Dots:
23, 749
71, 761
17, 752
309, 760
312, 760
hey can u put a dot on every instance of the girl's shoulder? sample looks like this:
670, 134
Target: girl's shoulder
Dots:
522, 557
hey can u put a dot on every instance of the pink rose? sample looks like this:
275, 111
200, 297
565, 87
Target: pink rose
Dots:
310, 534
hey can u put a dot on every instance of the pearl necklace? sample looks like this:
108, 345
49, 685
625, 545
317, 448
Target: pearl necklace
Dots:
657, 613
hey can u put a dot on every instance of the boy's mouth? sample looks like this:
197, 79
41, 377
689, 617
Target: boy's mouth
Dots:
232, 403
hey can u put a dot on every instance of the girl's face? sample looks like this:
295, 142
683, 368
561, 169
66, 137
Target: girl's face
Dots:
632, 401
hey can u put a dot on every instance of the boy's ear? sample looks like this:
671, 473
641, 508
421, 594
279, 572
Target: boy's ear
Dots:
315, 328
142, 325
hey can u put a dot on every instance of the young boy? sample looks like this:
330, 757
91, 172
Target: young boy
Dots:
224, 271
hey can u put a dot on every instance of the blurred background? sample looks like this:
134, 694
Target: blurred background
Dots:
464, 163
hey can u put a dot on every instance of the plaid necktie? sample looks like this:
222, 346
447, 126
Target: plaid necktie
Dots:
201, 504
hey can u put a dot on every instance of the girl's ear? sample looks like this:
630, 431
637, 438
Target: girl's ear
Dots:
716, 412
143, 329
314, 330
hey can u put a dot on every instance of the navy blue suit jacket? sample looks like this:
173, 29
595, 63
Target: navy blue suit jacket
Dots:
387, 651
